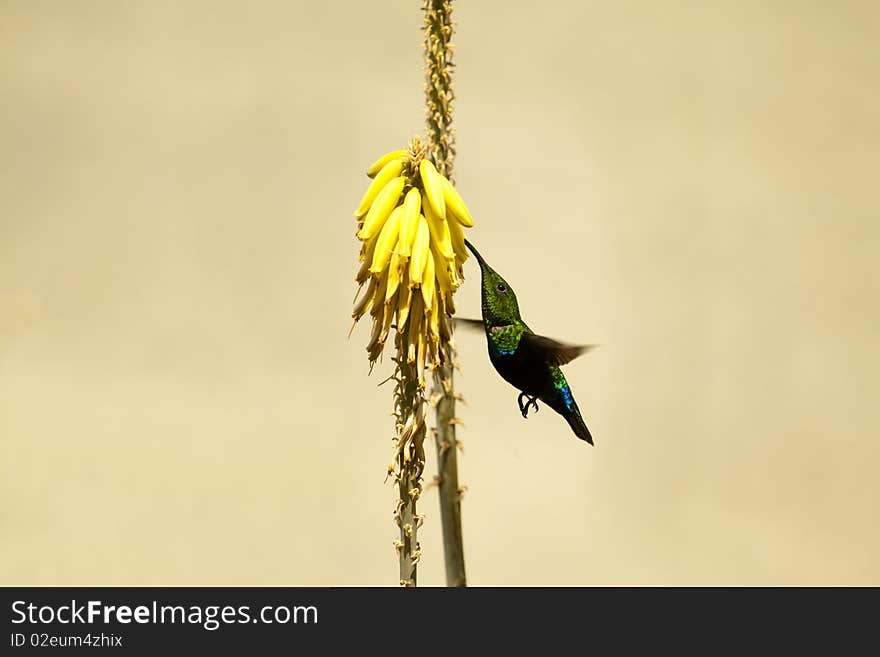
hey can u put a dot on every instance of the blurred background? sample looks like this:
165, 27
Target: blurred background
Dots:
691, 185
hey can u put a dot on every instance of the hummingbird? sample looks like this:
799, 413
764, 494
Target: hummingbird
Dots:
529, 362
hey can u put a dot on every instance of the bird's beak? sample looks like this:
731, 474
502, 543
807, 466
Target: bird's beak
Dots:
476, 254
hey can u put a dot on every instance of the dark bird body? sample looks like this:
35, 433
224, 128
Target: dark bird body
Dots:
529, 362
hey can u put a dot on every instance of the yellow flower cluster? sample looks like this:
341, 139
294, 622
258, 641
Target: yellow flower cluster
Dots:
410, 221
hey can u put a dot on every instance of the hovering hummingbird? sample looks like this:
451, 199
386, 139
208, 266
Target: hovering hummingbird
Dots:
529, 362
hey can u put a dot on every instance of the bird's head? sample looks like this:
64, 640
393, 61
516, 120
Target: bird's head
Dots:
500, 307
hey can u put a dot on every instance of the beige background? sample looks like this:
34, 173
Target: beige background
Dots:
693, 185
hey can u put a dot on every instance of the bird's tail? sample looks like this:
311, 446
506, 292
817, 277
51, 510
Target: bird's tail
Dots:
577, 424
564, 404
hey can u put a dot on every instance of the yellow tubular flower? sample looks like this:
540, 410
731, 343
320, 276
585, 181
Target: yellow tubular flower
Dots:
386, 175
379, 295
432, 184
404, 301
386, 242
456, 234
394, 275
377, 166
382, 208
455, 207
439, 232
419, 254
429, 282
442, 269
412, 207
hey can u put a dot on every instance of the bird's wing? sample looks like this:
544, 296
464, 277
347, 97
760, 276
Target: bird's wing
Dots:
473, 324
552, 351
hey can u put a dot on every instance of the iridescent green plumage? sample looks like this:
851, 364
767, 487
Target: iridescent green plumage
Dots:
529, 362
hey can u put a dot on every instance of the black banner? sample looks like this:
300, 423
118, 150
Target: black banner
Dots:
390, 620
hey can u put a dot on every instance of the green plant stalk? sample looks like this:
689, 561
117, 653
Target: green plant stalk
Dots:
439, 95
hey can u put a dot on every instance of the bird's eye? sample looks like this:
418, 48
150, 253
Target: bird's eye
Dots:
502, 287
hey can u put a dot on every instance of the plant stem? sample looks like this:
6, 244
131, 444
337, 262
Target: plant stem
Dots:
447, 467
410, 461
409, 544
439, 96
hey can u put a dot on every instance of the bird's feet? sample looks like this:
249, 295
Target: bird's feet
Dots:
524, 408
